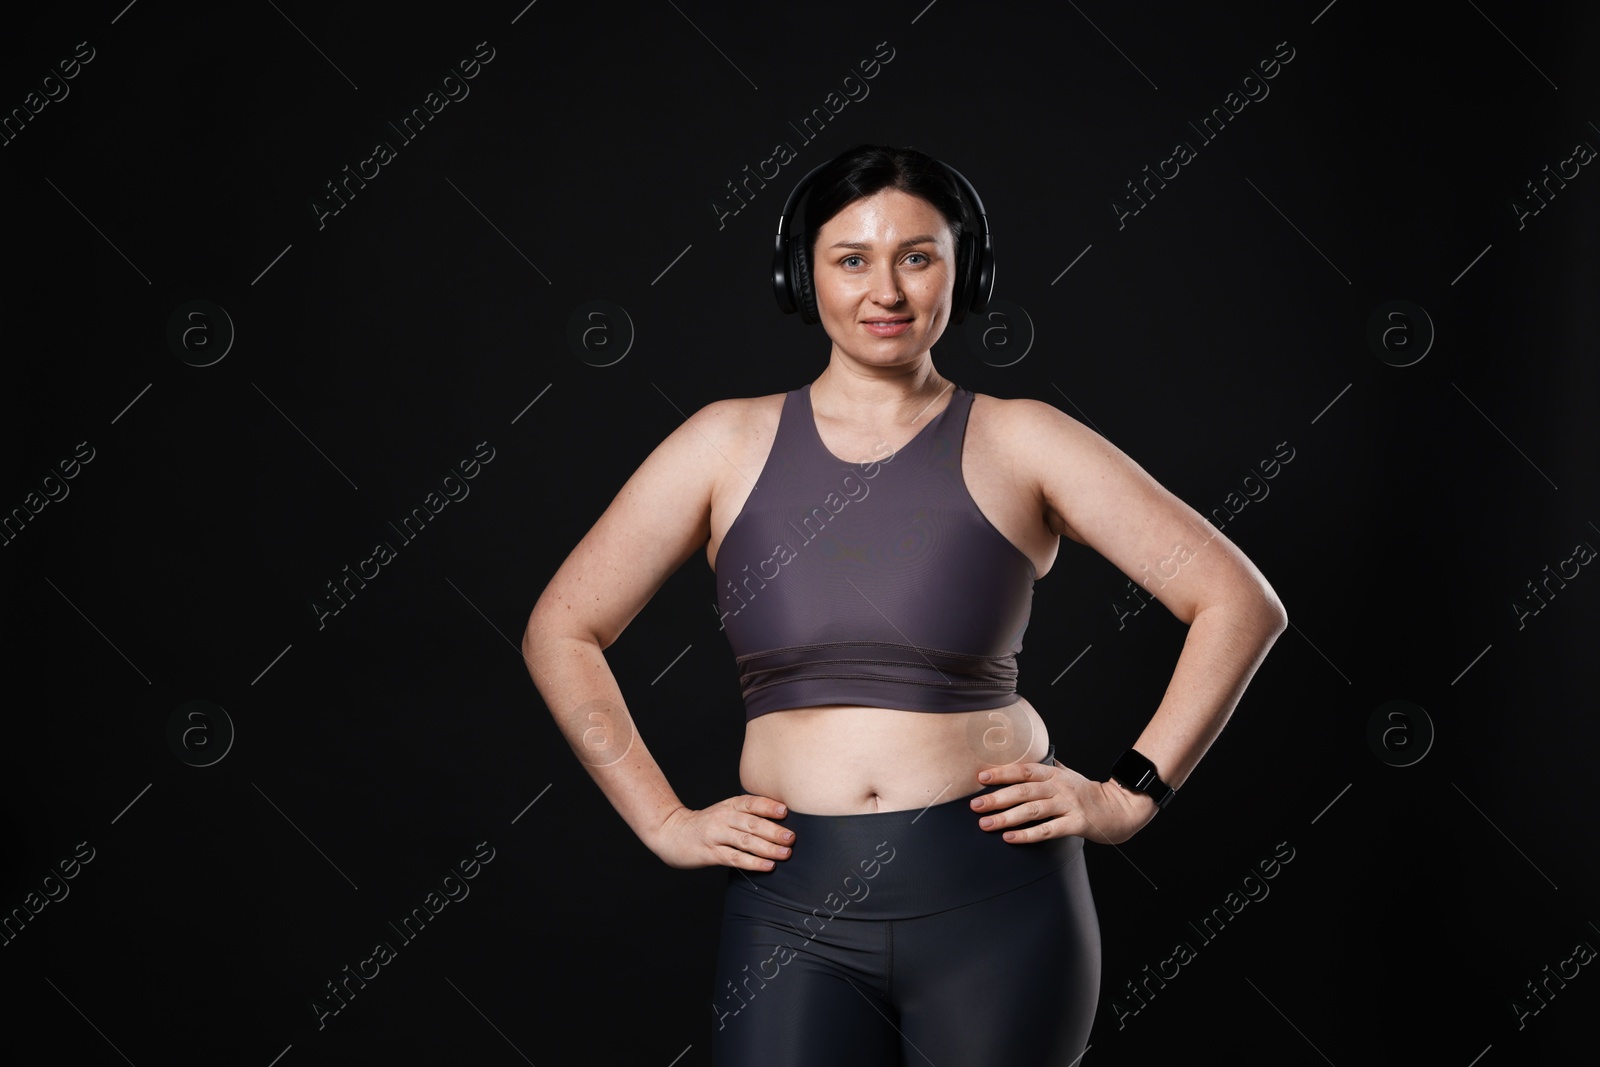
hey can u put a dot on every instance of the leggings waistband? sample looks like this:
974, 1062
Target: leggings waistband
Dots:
901, 864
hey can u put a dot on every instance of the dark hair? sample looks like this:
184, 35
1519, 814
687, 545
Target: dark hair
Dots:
867, 169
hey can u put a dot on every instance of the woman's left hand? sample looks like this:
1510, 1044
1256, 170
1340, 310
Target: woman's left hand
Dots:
1071, 804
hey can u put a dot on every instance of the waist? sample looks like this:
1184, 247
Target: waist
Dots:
853, 759
875, 673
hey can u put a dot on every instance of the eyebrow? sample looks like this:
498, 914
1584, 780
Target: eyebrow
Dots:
926, 238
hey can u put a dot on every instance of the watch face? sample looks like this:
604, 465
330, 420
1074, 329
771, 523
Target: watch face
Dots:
1133, 770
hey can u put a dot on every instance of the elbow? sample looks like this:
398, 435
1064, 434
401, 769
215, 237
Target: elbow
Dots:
1280, 623
530, 647
1255, 606
1252, 605
536, 636
534, 630
1274, 616
547, 626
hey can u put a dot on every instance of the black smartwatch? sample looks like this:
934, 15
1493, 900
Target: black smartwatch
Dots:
1135, 772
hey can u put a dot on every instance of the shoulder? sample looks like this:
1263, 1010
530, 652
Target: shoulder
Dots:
738, 420
744, 412
1065, 465
727, 421
1021, 425
723, 432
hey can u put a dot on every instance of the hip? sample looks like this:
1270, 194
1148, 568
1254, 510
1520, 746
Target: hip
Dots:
899, 864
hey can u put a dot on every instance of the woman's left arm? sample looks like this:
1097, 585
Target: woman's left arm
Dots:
1094, 494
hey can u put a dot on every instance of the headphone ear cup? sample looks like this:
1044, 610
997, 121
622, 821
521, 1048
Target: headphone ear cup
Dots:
982, 277
805, 296
966, 278
781, 278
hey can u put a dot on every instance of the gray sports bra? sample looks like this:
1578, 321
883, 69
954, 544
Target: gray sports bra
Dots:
878, 584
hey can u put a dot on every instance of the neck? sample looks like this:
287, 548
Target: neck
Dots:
906, 396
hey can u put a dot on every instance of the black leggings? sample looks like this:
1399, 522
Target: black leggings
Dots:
904, 938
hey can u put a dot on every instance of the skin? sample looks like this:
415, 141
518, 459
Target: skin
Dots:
1035, 473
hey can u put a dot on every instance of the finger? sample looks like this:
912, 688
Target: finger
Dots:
763, 827
730, 841
733, 857
757, 845
760, 805
1022, 810
1035, 812
1017, 772
763, 810
759, 837
1062, 826
1010, 795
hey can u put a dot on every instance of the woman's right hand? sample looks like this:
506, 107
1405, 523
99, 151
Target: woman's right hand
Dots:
737, 832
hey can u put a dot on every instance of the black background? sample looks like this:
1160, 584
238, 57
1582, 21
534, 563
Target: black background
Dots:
376, 351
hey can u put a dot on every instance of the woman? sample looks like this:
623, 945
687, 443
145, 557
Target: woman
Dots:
906, 877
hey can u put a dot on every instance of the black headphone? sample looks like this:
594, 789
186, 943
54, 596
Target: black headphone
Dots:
791, 261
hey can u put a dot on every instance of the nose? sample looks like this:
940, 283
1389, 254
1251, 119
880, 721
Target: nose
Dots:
886, 286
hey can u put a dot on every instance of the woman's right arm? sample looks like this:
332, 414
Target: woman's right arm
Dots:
661, 516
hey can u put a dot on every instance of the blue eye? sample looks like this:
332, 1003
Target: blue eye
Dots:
922, 255
847, 259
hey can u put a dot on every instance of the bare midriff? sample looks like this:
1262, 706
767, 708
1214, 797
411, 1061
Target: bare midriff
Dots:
849, 760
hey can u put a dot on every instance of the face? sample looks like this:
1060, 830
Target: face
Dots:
884, 272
